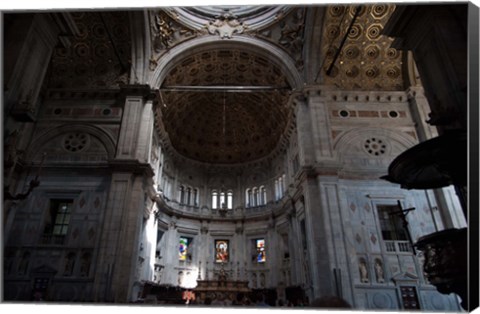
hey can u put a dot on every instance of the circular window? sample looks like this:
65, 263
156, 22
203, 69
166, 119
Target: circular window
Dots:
344, 113
76, 142
393, 114
57, 111
375, 146
107, 111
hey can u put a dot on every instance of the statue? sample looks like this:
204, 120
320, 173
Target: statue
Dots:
379, 271
363, 271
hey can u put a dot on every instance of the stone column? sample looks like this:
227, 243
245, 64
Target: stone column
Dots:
204, 245
240, 252
171, 254
304, 131
273, 261
126, 207
320, 126
437, 36
420, 109
316, 225
296, 250
118, 247
137, 124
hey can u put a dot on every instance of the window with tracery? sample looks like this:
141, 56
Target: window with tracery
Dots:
222, 199
280, 187
57, 221
248, 197
255, 196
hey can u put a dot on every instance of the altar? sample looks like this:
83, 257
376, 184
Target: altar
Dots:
221, 289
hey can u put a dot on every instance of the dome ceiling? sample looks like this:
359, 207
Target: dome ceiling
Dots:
225, 106
229, 103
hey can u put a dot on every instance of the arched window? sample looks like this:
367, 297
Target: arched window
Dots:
263, 196
229, 199
284, 182
222, 199
255, 197
181, 194
248, 194
214, 199
195, 197
189, 200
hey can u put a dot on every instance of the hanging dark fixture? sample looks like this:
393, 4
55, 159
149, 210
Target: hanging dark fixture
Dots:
435, 163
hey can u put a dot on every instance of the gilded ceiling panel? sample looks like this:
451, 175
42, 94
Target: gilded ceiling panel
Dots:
366, 61
99, 56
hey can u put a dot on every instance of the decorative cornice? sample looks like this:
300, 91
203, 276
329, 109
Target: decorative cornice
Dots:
131, 165
82, 94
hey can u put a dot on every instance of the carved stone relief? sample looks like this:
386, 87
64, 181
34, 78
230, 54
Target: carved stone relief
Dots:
225, 26
166, 32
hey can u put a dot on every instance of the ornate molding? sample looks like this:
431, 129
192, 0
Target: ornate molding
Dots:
225, 26
166, 33
288, 33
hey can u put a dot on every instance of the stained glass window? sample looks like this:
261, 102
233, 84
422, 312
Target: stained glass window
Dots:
183, 248
221, 251
260, 244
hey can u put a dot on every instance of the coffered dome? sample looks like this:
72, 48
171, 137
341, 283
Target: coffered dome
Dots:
225, 105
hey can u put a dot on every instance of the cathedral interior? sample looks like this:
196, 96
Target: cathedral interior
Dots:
241, 155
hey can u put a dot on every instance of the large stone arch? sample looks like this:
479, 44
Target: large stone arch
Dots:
384, 145
41, 140
196, 45
344, 141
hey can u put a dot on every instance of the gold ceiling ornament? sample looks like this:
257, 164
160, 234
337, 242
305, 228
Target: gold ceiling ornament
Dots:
99, 55
166, 32
366, 60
